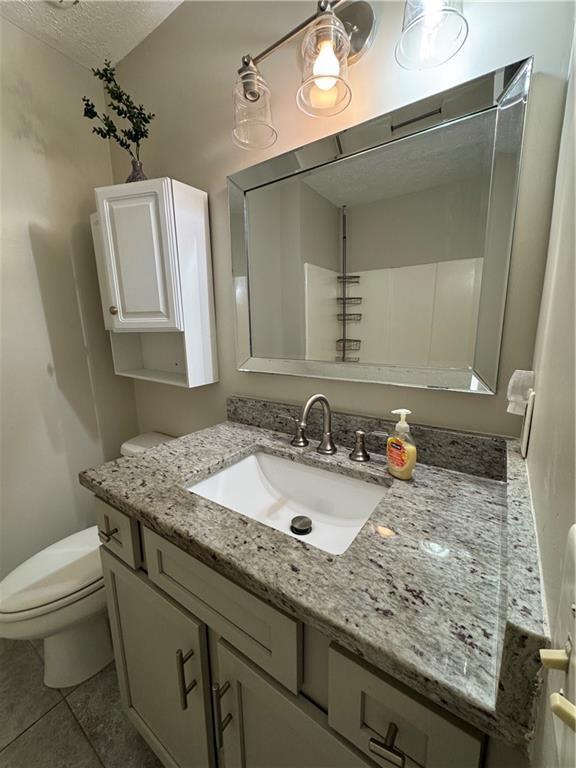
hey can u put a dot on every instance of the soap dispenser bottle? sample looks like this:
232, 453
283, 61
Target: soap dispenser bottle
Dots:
400, 448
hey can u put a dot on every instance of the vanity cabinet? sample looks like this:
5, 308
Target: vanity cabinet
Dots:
119, 533
269, 638
390, 725
162, 663
212, 675
261, 725
152, 247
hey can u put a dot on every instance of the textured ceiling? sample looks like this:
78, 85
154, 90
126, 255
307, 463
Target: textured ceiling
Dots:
453, 152
92, 30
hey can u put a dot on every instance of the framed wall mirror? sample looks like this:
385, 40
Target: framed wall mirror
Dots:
381, 253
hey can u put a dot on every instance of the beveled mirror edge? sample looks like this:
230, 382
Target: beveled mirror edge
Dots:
419, 112
522, 76
249, 178
373, 374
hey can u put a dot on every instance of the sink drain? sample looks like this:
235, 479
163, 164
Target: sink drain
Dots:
301, 525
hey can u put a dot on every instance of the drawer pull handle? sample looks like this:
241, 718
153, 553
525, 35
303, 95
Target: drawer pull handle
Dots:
386, 749
113, 310
220, 724
106, 536
183, 689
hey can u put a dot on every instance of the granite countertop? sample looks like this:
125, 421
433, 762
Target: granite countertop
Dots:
440, 589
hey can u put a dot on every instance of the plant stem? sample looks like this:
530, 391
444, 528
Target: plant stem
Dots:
135, 157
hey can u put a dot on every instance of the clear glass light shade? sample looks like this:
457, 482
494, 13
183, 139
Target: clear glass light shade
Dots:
432, 32
253, 125
325, 90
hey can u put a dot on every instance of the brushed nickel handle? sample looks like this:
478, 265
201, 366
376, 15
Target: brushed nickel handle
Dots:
386, 749
183, 689
359, 452
106, 536
113, 310
220, 724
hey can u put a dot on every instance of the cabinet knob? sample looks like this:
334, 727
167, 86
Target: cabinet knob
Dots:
113, 310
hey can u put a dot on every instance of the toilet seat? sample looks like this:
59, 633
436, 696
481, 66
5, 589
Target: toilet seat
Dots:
61, 574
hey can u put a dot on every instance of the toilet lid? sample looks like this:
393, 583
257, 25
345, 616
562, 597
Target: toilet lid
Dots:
55, 573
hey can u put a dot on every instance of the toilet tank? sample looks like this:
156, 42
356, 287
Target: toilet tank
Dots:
137, 445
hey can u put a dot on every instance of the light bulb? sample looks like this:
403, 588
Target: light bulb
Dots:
432, 20
320, 99
432, 13
432, 32
326, 67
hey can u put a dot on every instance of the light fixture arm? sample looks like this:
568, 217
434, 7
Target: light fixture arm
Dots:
323, 6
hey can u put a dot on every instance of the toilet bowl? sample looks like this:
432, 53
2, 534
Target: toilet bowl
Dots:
58, 595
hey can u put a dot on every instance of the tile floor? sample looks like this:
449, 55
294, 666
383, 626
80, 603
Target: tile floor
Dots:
81, 727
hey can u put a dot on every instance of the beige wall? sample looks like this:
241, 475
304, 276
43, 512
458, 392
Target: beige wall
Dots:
440, 223
184, 71
62, 407
551, 457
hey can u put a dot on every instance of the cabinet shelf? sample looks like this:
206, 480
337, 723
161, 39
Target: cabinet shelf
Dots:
161, 377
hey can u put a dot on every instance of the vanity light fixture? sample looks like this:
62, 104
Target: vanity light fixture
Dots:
433, 31
325, 90
335, 36
253, 125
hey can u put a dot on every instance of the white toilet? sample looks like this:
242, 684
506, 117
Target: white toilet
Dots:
58, 595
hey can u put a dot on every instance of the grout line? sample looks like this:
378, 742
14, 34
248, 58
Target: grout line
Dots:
84, 734
33, 724
84, 682
36, 651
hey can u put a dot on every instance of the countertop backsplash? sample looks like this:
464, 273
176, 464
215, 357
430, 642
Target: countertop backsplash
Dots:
475, 454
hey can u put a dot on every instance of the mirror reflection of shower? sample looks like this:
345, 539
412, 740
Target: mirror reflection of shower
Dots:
349, 303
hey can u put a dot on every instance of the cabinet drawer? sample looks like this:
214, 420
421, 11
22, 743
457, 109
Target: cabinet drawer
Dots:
118, 533
268, 637
362, 705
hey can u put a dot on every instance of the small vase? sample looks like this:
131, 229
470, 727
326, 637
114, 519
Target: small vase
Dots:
137, 172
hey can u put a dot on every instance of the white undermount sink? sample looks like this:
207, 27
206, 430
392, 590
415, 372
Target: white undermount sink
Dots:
274, 490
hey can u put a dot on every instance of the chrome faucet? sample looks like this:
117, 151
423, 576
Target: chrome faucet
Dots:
300, 440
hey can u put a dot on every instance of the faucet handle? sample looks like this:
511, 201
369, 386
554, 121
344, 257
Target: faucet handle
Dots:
299, 440
359, 452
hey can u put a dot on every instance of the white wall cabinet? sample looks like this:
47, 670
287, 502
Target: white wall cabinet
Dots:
152, 245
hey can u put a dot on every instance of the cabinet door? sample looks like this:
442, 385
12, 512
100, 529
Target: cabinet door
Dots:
161, 657
391, 726
140, 255
261, 725
102, 272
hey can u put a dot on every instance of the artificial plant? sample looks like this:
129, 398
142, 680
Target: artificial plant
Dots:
121, 104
